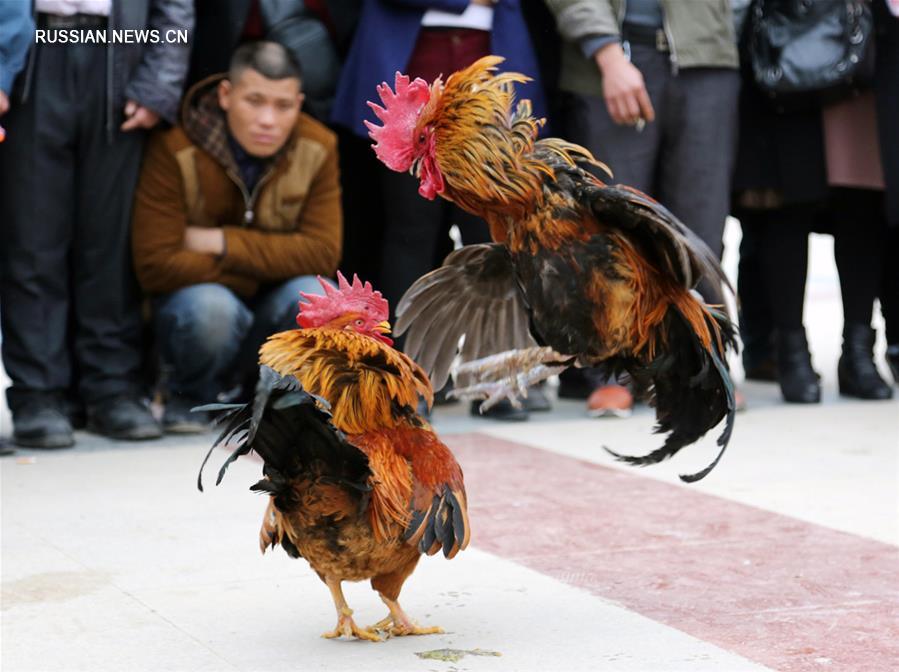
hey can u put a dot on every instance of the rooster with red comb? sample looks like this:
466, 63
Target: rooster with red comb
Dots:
358, 483
582, 273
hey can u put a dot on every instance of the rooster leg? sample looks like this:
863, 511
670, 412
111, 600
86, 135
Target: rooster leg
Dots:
506, 364
513, 388
346, 626
398, 623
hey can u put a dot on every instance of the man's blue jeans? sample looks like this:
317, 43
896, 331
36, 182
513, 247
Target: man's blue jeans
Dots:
209, 337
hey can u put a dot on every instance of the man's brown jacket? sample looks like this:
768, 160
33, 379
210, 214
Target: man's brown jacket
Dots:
289, 225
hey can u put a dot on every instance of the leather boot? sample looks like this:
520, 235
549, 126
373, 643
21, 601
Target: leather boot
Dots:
856, 372
799, 383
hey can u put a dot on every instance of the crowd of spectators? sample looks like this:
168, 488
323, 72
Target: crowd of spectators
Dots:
163, 202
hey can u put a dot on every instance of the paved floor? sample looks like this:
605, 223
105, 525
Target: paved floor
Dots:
786, 557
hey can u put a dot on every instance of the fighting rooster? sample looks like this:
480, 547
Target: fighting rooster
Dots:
581, 274
359, 484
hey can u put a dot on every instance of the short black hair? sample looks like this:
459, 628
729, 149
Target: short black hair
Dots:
270, 59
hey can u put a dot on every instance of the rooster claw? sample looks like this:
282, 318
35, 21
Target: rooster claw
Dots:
403, 628
346, 627
492, 393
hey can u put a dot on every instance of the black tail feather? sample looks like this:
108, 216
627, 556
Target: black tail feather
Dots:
291, 431
692, 392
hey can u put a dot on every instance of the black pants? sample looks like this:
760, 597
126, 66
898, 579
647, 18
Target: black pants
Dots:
68, 299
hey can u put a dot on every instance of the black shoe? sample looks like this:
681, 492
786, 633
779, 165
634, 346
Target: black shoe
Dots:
856, 372
178, 418
893, 361
76, 412
799, 383
504, 411
124, 418
40, 422
537, 401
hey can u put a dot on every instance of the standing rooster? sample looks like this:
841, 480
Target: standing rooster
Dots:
360, 491
582, 273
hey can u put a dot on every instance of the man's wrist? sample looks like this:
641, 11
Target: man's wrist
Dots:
609, 56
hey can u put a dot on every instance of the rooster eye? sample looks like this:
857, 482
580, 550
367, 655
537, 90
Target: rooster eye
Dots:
359, 323
421, 138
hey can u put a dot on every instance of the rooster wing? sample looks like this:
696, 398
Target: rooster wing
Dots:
475, 294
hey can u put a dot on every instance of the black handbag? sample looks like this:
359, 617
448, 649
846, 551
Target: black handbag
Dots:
810, 52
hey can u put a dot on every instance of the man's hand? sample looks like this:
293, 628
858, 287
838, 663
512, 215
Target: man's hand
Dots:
4, 103
623, 87
204, 240
138, 116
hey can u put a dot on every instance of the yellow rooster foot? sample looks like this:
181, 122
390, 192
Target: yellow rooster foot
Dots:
398, 624
403, 628
346, 627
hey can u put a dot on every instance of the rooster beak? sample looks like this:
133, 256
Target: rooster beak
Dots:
383, 327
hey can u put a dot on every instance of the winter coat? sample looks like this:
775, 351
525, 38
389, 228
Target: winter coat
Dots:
290, 224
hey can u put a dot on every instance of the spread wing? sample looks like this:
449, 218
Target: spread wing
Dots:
662, 236
474, 294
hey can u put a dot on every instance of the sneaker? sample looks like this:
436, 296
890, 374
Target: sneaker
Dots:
42, 423
610, 400
125, 418
178, 418
503, 411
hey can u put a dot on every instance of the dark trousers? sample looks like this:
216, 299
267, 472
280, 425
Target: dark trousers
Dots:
685, 158
68, 298
416, 233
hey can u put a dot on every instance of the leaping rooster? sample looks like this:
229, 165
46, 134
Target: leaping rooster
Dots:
582, 273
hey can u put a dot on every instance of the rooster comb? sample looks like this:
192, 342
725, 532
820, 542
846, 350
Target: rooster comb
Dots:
399, 114
318, 309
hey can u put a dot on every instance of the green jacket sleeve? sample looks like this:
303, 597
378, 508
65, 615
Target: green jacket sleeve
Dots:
577, 19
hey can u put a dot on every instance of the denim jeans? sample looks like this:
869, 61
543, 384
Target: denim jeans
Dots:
209, 337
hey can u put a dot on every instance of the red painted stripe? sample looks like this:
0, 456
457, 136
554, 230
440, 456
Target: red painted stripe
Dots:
788, 594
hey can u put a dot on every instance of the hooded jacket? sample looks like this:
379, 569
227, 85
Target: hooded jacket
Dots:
289, 225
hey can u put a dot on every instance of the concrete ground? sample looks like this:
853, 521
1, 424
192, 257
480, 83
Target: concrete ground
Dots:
784, 558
